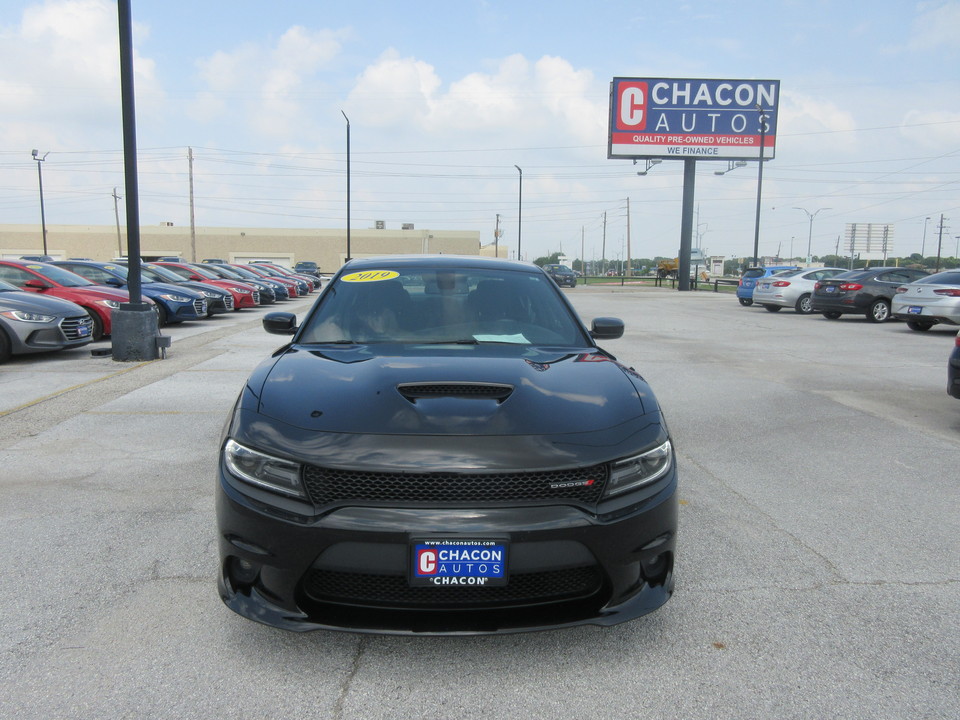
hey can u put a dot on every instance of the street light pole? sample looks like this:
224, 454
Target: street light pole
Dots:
519, 212
756, 229
43, 219
348, 182
810, 232
923, 243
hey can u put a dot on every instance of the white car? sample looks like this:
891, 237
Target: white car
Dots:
790, 289
930, 300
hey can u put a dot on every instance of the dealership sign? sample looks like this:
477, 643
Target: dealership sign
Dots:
701, 119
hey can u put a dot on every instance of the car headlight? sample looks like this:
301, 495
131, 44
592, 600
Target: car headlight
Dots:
211, 295
240, 291
262, 470
28, 316
175, 298
638, 470
110, 303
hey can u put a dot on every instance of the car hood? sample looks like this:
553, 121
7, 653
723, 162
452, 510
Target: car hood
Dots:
444, 392
92, 292
31, 302
343, 407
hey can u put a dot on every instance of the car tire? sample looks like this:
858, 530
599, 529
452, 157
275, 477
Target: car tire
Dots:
161, 315
6, 350
97, 331
804, 305
746, 302
772, 308
879, 311
832, 315
919, 326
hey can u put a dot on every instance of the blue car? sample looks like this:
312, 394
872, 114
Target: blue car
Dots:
748, 281
174, 303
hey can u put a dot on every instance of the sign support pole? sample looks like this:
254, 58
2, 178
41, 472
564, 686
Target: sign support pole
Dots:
686, 223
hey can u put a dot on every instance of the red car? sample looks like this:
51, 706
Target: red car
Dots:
244, 295
53, 281
293, 287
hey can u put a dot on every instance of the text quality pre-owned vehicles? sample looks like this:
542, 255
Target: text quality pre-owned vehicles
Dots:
442, 447
244, 295
790, 289
53, 281
748, 280
174, 303
31, 323
866, 292
929, 300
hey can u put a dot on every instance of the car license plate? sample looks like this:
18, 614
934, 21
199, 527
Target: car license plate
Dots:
446, 561
765, 286
830, 289
914, 310
83, 331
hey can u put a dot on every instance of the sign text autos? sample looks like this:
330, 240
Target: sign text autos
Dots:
713, 119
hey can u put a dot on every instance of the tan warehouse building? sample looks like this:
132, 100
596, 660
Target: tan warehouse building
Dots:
328, 248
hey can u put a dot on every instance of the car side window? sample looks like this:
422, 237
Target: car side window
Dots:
14, 276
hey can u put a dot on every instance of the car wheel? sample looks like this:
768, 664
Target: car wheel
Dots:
879, 311
6, 351
746, 302
161, 315
832, 315
97, 331
804, 305
919, 326
772, 308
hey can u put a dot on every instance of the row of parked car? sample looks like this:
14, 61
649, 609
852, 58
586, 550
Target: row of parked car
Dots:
47, 306
920, 298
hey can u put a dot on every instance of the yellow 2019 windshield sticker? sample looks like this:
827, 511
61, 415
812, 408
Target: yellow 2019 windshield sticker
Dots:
370, 276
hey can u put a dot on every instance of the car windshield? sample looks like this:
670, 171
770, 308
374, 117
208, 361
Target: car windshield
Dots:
159, 274
59, 275
791, 273
7, 287
753, 273
443, 306
950, 277
118, 270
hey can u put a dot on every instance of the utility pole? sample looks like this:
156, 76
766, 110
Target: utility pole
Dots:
603, 247
939, 243
583, 265
629, 271
193, 225
116, 213
496, 238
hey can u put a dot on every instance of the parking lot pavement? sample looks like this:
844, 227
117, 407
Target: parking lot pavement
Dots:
818, 568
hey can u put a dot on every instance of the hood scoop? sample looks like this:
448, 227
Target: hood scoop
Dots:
433, 390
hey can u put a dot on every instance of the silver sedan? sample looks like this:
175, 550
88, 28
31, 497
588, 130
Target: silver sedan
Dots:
791, 289
930, 300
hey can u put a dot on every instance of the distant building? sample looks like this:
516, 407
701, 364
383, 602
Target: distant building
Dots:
326, 247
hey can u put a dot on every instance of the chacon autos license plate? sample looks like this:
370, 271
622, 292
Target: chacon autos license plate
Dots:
446, 561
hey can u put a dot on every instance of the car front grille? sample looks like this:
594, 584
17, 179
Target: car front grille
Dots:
393, 590
583, 485
72, 327
200, 306
256, 297
228, 302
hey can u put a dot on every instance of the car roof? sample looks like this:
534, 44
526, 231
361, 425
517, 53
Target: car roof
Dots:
438, 261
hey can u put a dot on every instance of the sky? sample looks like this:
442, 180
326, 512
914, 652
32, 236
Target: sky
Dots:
445, 100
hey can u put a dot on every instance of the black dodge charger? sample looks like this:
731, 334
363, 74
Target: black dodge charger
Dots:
443, 448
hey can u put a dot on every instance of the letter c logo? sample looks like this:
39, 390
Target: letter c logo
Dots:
426, 562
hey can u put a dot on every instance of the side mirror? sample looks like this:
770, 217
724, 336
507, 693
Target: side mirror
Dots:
606, 328
280, 323
114, 282
36, 284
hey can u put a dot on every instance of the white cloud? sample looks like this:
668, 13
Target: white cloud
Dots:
271, 86
936, 28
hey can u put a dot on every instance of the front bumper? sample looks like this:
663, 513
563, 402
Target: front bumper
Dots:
347, 569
